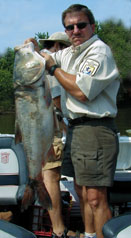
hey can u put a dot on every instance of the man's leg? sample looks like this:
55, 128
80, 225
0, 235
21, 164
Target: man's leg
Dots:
88, 214
52, 183
51, 180
97, 200
86, 211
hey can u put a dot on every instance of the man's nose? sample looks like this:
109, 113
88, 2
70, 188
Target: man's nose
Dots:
76, 29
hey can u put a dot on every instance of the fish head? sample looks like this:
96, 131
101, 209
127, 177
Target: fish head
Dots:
28, 65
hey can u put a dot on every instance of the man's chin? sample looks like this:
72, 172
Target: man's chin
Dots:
77, 42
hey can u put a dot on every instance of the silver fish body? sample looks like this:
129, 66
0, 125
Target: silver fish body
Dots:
34, 123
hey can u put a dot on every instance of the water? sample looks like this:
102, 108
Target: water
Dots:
7, 122
123, 121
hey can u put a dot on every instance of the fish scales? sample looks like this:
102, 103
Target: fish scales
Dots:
34, 124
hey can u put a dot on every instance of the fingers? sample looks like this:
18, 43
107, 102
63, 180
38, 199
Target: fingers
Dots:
49, 60
30, 40
43, 54
34, 42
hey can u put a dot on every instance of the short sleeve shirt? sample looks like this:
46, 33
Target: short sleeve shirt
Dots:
97, 77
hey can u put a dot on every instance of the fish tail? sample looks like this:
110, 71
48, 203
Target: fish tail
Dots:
29, 196
36, 186
43, 196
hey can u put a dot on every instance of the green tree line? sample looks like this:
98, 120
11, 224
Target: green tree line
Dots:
115, 34
6, 81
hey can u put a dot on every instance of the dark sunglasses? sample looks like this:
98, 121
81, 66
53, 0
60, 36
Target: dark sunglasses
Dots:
80, 25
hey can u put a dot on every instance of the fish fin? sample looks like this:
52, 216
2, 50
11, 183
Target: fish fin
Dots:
56, 122
42, 193
18, 135
28, 197
47, 96
43, 196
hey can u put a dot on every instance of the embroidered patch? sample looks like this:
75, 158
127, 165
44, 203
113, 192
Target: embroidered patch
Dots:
90, 68
5, 158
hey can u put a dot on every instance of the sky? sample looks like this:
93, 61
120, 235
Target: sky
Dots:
22, 19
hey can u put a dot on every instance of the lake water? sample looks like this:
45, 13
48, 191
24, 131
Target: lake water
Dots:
123, 121
7, 122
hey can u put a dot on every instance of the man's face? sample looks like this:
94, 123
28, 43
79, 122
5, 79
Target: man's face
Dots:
57, 46
81, 32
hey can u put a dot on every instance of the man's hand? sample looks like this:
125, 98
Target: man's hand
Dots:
34, 42
49, 60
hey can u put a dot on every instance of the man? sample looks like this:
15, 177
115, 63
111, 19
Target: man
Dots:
51, 172
89, 78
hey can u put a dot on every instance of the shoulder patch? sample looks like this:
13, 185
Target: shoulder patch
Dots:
90, 67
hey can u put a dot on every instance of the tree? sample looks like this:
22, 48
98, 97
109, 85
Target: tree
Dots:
7, 60
6, 90
118, 37
6, 80
39, 36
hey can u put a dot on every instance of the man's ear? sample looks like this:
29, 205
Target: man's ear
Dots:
66, 32
93, 27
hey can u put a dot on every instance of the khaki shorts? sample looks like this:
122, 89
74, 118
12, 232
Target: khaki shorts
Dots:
57, 161
90, 154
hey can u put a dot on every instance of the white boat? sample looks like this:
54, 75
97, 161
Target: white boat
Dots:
14, 176
9, 165
118, 227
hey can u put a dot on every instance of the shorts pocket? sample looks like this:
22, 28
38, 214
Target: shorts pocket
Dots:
89, 163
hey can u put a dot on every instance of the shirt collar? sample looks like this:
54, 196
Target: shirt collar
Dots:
84, 45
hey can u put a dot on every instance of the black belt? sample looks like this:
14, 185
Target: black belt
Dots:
81, 120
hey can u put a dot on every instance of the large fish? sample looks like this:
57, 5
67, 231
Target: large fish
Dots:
34, 125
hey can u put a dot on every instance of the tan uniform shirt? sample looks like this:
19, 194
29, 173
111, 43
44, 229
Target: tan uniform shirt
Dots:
96, 75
